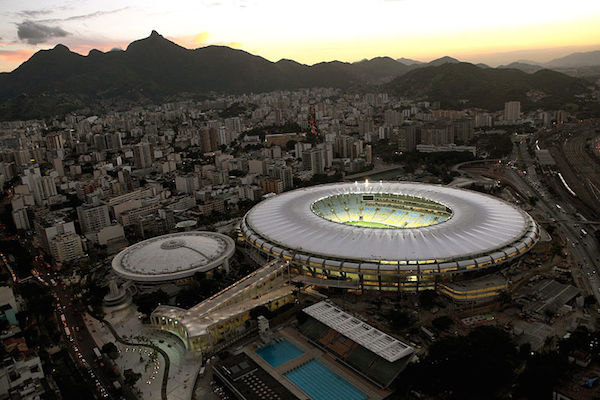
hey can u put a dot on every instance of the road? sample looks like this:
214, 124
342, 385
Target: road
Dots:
82, 343
583, 247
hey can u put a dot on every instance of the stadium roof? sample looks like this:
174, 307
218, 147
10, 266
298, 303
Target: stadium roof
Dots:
173, 256
360, 332
480, 225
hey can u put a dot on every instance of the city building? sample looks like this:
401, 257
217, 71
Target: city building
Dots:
143, 155
92, 218
66, 247
512, 111
314, 160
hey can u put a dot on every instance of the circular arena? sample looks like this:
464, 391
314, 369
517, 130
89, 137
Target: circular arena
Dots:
387, 235
174, 256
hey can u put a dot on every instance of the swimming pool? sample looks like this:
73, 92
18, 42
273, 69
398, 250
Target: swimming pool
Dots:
280, 352
321, 383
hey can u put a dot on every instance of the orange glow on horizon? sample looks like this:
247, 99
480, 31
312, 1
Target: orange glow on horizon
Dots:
474, 44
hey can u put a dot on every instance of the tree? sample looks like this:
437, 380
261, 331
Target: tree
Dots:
533, 200
147, 302
290, 145
589, 300
131, 377
541, 373
442, 323
400, 319
504, 297
260, 310
480, 365
427, 298
111, 349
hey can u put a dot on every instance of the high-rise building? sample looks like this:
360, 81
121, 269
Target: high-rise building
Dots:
113, 140
512, 111
54, 141
464, 130
272, 185
314, 160
284, 174
210, 139
187, 183
365, 126
437, 135
368, 154
92, 218
66, 247
483, 120
21, 219
142, 154
256, 167
57, 163
49, 226
42, 188
392, 118
99, 142
407, 138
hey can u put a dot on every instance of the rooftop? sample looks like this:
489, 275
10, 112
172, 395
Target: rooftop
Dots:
480, 225
380, 343
173, 256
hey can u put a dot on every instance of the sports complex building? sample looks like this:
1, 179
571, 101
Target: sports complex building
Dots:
173, 257
387, 236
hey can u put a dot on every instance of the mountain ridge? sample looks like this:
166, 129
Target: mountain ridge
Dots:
156, 68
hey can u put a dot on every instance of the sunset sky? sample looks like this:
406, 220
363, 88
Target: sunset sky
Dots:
310, 31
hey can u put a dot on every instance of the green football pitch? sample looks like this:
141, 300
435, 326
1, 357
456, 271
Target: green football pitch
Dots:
366, 224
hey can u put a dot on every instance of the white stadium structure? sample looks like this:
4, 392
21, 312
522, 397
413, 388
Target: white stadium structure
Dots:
173, 257
388, 236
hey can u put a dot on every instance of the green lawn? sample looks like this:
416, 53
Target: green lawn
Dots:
366, 224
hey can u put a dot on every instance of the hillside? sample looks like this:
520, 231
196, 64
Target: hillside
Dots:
487, 88
155, 68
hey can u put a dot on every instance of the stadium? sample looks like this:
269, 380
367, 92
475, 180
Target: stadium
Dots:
387, 236
173, 257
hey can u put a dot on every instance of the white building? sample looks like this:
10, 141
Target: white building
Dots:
512, 111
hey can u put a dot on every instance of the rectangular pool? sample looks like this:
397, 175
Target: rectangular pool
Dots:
279, 352
321, 383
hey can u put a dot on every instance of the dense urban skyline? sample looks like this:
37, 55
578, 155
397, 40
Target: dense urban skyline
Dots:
310, 32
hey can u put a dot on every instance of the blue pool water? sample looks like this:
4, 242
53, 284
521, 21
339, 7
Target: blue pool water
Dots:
278, 353
321, 383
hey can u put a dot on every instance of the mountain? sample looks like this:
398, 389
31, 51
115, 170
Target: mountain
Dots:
381, 68
575, 60
155, 68
408, 61
442, 61
489, 88
529, 68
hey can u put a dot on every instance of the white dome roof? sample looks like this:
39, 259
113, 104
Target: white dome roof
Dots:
173, 256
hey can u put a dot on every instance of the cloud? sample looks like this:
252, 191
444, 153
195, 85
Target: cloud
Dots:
42, 11
34, 32
34, 13
84, 16
16, 55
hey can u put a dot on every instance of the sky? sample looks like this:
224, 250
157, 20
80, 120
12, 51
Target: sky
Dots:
310, 31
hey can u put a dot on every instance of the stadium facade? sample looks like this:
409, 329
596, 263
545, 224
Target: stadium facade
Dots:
387, 236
